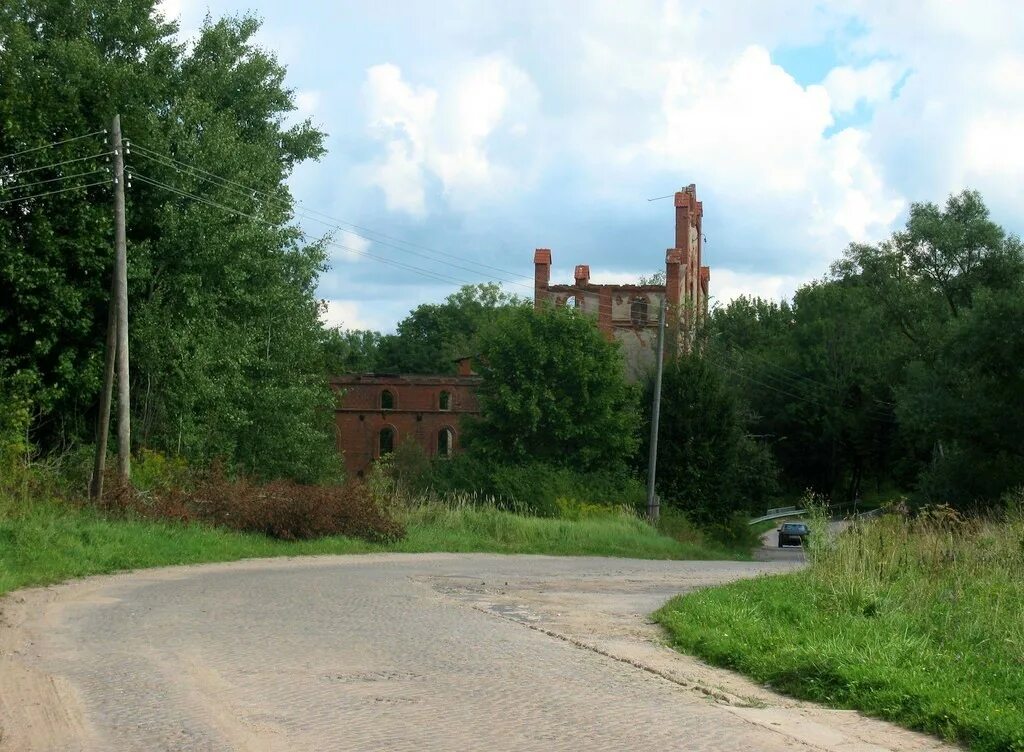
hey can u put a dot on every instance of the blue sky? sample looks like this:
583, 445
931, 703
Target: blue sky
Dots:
482, 130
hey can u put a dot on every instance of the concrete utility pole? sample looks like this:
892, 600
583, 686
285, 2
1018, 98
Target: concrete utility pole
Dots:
100, 462
124, 431
653, 503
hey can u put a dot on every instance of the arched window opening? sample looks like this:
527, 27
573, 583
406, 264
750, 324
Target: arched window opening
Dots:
445, 442
386, 441
638, 310
444, 401
387, 400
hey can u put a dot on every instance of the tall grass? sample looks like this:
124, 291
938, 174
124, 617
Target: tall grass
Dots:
917, 619
44, 539
447, 525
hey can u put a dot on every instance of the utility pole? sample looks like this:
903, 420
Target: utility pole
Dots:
100, 462
124, 431
653, 503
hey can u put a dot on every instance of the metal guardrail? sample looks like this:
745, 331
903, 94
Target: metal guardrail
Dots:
775, 514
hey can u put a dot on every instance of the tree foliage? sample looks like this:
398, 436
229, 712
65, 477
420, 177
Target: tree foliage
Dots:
553, 391
227, 358
428, 340
899, 369
433, 335
708, 464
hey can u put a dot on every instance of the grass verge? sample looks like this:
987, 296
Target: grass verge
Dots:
43, 542
916, 621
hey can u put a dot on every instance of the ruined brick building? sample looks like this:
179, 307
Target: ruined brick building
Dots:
630, 313
375, 412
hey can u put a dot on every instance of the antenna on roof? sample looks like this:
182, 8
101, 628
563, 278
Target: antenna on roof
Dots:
659, 198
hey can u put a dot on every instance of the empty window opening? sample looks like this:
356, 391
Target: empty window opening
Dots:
638, 310
387, 400
445, 442
445, 401
387, 440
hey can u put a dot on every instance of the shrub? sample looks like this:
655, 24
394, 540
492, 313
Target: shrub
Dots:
155, 471
734, 532
14, 444
280, 509
675, 524
535, 487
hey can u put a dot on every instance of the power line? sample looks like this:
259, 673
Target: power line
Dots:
53, 193
51, 180
302, 234
305, 235
798, 375
249, 189
51, 145
870, 414
55, 164
792, 383
334, 221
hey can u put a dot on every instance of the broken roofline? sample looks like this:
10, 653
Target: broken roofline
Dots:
405, 378
593, 287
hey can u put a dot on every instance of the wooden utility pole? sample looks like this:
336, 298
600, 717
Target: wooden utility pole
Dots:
124, 431
653, 503
99, 464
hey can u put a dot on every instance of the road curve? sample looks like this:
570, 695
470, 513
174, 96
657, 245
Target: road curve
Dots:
389, 652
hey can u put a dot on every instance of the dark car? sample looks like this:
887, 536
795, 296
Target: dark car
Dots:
792, 533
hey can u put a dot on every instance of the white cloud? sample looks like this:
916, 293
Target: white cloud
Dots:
751, 124
759, 137
307, 103
728, 285
170, 9
956, 121
847, 86
347, 246
343, 313
444, 134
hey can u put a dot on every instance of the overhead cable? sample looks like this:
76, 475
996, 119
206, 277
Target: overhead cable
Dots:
358, 230
10, 175
53, 193
303, 234
50, 180
51, 145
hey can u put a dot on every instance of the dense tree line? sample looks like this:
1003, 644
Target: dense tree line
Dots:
901, 369
428, 340
226, 344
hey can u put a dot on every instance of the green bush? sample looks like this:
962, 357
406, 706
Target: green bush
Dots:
734, 532
156, 471
14, 444
533, 487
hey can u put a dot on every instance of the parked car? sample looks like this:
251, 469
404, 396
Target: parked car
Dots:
792, 533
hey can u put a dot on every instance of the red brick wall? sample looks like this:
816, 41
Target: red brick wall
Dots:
416, 415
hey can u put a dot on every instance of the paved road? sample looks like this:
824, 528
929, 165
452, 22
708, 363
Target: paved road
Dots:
389, 652
770, 550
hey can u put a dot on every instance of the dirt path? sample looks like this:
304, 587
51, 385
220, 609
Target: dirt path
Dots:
390, 652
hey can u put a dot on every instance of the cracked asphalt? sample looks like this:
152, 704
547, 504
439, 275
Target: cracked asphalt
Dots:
390, 652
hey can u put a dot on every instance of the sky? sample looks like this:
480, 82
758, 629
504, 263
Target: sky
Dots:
463, 135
